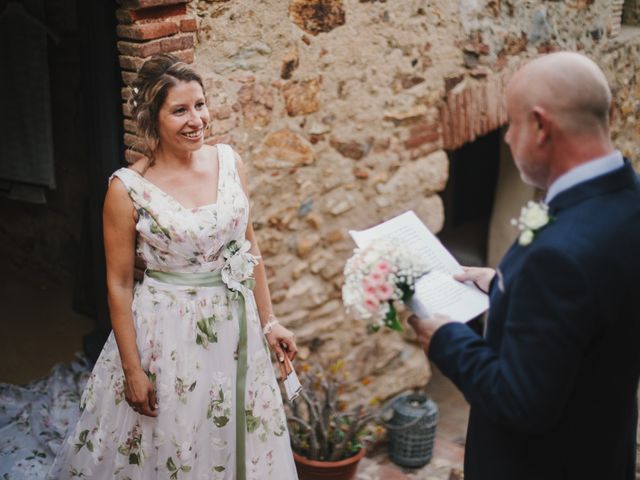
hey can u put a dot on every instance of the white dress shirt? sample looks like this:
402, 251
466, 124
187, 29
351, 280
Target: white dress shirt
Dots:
582, 173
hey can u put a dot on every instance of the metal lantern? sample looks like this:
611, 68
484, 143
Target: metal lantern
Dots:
412, 430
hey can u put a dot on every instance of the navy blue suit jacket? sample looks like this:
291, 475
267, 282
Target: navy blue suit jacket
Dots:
553, 384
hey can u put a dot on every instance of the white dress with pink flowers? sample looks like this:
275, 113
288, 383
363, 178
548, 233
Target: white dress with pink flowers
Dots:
190, 339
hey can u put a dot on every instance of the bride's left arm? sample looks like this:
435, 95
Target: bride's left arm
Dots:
280, 339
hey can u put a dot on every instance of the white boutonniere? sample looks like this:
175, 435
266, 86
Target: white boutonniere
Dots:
533, 218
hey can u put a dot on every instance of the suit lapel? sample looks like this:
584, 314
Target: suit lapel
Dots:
622, 177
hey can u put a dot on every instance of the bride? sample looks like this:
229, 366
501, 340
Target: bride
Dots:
184, 387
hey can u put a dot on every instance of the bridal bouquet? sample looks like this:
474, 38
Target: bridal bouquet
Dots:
375, 278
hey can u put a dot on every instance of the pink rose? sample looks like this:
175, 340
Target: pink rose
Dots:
371, 290
384, 267
371, 303
376, 278
384, 291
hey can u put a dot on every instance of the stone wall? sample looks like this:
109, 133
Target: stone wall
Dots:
335, 109
342, 111
501, 33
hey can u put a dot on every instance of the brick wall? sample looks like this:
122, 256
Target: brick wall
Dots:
146, 28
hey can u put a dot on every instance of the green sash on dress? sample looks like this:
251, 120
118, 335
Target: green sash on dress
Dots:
214, 279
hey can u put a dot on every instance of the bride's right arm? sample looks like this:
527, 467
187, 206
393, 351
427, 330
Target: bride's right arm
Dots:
119, 227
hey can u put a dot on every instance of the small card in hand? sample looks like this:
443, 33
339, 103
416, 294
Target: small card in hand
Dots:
291, 383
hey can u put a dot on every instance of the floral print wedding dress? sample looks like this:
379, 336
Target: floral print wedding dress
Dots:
220, 412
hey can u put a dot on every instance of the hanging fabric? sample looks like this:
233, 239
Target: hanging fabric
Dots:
26, 145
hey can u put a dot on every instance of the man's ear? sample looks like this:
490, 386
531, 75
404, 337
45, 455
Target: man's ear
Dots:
543, 123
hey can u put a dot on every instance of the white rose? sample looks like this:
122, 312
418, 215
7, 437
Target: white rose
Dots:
535, 217
526, 237
236, 264
184, 452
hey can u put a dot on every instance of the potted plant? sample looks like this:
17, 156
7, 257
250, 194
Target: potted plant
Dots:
328, 438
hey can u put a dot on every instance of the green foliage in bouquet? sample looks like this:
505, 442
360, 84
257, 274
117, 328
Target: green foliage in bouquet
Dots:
391, 320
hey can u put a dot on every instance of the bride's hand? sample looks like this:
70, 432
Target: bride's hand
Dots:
282, 342
140, 393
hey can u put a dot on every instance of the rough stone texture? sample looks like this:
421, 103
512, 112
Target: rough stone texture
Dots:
317, 16
256, 101
301, 97
283, 149
342, 110
513, 31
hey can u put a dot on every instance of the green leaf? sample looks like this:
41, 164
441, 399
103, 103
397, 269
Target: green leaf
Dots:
185, 468
202, 326
407, 292
219, 468
391, 320
134, 459
252, 422
170, 465
90, 446
193, 386
220, 421
83, 436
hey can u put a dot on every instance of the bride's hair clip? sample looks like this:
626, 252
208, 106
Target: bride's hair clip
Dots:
135, 91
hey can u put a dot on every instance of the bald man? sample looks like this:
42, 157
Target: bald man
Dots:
552, 383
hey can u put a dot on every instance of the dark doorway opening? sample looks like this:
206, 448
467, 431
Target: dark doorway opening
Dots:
631, 13
469, 197
51, 249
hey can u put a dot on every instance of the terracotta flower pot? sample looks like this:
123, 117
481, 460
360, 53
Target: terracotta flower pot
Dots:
317, 470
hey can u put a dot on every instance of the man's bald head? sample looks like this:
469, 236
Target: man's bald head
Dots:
569, 86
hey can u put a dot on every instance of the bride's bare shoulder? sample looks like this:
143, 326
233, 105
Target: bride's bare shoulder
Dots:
139, 166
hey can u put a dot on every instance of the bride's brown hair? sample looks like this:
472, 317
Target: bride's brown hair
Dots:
149, 91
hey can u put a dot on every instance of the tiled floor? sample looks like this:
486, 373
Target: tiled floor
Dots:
448, 452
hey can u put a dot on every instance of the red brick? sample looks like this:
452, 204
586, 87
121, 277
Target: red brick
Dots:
125, 16
185, 56
130, 126
466, 115
149, 3
421, 134
125, 93
457, 119
147, 31
126, 110
188, 25
134, 63
128, 62
132, 141
153, 47
150, 13
128, 77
